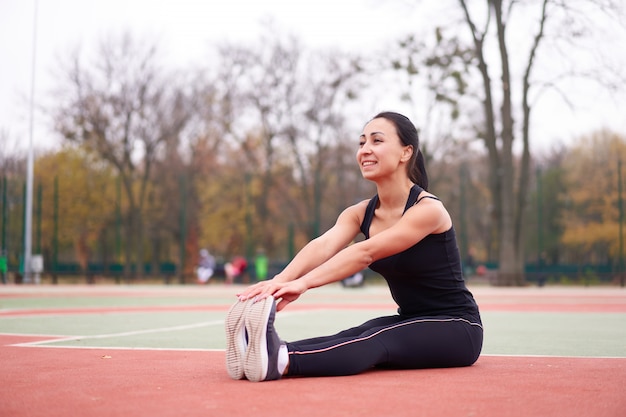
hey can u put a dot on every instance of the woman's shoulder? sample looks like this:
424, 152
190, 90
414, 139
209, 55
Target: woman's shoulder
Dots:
359, 207
363, 203
426, 198
356, 212
429, 208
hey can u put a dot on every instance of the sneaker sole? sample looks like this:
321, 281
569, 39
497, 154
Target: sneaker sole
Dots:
256, 362
235, 337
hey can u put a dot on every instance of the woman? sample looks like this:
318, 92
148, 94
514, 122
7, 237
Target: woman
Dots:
409, 240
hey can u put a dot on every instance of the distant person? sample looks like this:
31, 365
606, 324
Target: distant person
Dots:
409, 240
235, 269
261, 265
355, 280
3, 268
206, 266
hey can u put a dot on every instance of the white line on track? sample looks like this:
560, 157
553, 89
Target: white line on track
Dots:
551, 356
123, 334
60, 339
27, 345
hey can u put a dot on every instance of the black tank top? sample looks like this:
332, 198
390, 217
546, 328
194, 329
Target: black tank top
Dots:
427, 278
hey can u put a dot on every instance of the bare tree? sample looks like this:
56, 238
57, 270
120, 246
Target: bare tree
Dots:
510, 187
503, 77
124, 107
12, 189
288, 103
317, 131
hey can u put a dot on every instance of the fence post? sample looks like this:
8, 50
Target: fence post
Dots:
620, 204
55, 230
183, 227
3, 242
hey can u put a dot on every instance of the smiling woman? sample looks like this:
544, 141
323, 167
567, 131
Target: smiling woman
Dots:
383, 131
409, 240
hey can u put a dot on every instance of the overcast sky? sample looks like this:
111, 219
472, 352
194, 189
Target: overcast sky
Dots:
184, 29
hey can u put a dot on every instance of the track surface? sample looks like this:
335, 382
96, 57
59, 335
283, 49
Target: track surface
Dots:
93, 351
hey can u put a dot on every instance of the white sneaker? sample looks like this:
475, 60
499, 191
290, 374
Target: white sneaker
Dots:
261, 362
236, 339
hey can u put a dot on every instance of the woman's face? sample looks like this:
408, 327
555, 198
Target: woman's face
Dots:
381, 151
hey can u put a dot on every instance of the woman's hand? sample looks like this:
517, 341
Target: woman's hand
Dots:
256, 290
289, 292
283, 292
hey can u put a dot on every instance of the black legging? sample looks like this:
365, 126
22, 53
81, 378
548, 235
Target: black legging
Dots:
392, 341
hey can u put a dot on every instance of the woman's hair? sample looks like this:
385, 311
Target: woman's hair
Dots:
408, 135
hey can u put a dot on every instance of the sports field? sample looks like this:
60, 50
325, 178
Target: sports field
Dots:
159, 351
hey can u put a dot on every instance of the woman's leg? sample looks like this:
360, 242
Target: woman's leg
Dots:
348, 333
389, 341
434, 342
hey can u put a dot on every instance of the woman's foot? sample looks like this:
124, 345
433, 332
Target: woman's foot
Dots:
236, 339
261, 359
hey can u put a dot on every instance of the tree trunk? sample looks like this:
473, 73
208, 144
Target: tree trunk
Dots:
510, 270
128, 247
500, 148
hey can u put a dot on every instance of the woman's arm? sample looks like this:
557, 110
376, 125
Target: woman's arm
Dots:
419, 221
317, 251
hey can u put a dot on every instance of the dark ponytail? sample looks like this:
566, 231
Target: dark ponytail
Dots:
417, 172
408, 135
